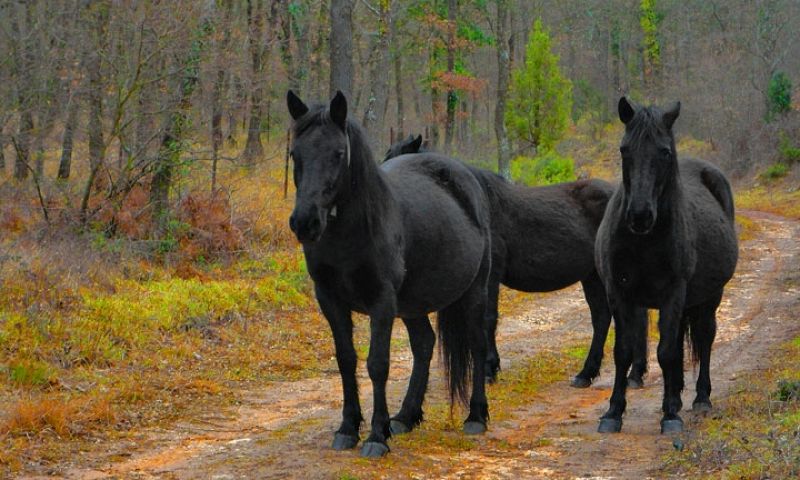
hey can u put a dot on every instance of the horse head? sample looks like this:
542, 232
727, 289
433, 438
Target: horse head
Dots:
321, 153
649, 160
408, 145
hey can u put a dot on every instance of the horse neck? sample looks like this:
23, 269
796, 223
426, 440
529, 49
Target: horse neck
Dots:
367, 197
671, 200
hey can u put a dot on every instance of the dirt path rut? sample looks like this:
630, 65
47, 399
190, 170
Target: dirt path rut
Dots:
284, 431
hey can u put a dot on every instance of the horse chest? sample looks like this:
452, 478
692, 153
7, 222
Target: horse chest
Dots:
645, 275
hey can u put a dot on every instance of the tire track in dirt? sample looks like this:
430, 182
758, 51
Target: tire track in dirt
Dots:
285, 430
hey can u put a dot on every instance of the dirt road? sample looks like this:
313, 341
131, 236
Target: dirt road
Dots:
285, 431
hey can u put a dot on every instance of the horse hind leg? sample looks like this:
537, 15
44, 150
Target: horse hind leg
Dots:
492, 355
422, 339
702, 323
595, 295
463, 341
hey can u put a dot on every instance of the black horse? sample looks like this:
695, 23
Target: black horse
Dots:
404, 240
667, 241
543, 240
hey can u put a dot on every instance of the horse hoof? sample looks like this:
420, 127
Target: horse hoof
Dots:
398, 428
342, 441
609, 425
635, 382
580, 382
672, 426
474, 428
701, 407
374, 449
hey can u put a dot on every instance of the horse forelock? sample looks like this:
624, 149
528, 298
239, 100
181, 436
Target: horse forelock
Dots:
646, 126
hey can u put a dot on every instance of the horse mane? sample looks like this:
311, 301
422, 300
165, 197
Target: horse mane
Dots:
366, 180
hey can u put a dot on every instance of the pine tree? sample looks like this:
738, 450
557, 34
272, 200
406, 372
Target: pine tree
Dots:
540, 97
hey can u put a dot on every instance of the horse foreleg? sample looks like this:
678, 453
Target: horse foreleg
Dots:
340, 320
670, 358
639, 367
381, 320
422, 339
628, 328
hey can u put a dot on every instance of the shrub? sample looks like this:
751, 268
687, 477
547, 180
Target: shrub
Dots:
789, 152
775, 171
544, 169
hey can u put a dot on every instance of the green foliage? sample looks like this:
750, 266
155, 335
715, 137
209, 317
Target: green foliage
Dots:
789, 152
779, 95
544, 169
775, 171
649, 20
540, 97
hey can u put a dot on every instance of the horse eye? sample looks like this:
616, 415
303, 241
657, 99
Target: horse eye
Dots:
666, 152
340, 154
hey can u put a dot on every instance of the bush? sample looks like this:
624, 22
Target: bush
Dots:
789, 152
775, 171
544, 169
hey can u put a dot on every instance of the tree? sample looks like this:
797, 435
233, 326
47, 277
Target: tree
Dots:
779, 95
258, 53
173, 139
503, 62
649, 20
341, 49
540, 98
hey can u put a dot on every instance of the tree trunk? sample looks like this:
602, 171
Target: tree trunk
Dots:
379, 85
255, 18
398, 87
503, 60
95, 97
217, 91
65, 165
341, 48
452, 99
23, 67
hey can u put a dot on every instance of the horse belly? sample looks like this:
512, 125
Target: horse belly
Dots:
548, 247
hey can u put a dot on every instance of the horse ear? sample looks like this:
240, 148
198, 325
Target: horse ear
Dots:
338, 109
296, 106
626, 110
671, 114
416, 143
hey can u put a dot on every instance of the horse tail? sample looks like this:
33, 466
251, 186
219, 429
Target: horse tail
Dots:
718, 185
455, 352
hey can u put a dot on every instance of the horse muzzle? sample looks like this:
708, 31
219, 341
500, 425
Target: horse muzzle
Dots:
641, 222
308, 224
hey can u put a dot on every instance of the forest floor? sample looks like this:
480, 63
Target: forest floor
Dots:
540, 428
